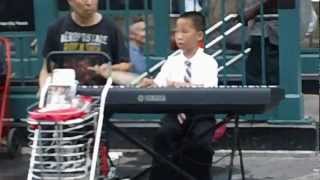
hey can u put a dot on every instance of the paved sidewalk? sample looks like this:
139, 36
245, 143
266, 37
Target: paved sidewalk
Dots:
271, 165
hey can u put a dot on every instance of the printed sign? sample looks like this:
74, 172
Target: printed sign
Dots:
16, 15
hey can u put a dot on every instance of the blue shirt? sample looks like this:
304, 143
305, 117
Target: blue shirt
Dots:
137, 59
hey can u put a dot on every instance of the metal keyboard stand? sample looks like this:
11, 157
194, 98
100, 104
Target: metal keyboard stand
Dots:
236, 146
150, 151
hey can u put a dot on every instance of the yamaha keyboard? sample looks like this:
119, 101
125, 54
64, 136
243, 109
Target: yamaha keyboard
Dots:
240, 100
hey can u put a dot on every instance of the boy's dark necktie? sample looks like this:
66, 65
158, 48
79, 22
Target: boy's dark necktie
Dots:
187, 76
187, 79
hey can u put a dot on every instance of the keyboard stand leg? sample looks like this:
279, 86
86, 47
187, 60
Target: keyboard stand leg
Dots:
233, 149
241, 160
239, 149
150, 151
236, 146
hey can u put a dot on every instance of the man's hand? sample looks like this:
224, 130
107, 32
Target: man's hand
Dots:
103, 70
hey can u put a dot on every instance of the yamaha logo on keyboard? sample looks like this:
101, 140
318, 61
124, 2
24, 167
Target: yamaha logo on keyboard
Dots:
151, 98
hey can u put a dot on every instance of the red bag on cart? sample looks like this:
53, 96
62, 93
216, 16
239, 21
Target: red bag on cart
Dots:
78, 110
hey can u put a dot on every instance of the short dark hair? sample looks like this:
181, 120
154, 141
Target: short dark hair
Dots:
197, 19
137, 19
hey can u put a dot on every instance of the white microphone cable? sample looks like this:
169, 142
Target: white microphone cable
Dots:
96, 146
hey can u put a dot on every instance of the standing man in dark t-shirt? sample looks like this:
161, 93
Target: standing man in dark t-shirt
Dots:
85, 29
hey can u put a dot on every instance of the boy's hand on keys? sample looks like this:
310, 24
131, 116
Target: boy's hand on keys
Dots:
178, 84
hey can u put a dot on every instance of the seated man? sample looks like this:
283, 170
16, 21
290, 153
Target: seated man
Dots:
137, 36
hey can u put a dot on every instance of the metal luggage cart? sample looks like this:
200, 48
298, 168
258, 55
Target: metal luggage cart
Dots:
61, 150
67, 149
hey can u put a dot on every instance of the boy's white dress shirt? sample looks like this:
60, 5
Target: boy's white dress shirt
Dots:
204, 70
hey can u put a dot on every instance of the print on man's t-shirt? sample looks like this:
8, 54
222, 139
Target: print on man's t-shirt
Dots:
78, 41
75, 41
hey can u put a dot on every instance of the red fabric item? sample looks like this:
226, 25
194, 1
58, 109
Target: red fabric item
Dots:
104, 160
88, 99
61, 114
58, 115
218, 133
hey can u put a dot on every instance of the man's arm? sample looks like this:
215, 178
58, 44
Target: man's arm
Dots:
124, 66
254, 9
43, 74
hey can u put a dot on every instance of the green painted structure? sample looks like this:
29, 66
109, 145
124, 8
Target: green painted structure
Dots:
294, 61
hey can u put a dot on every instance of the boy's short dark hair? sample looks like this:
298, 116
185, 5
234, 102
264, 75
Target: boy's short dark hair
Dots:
197, 19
